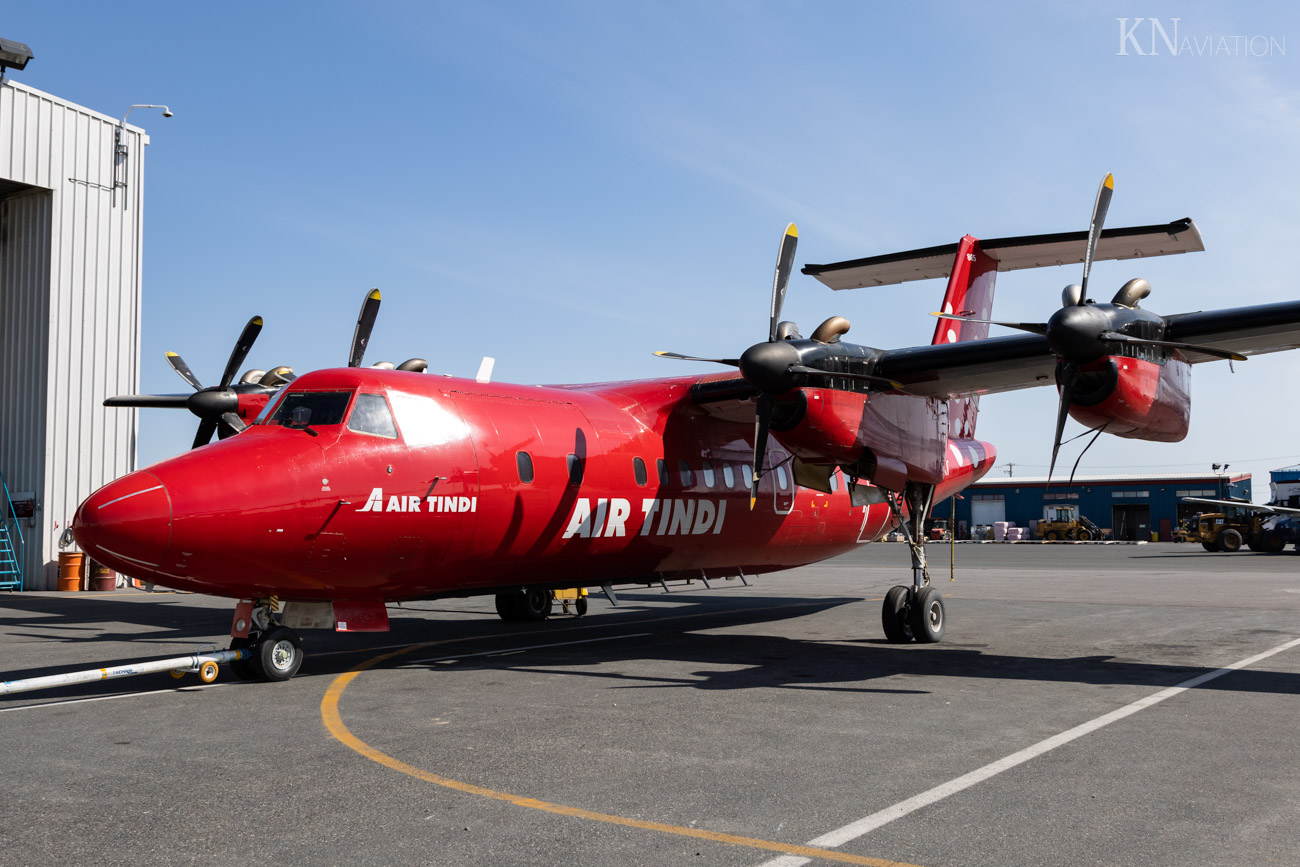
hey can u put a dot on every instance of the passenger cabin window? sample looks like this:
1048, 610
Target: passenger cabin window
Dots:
708, 474
747, 476
524, 463
575, 470
324, 407
638, 468
661, 467
371, 415
728, 477
688, 478
781, 478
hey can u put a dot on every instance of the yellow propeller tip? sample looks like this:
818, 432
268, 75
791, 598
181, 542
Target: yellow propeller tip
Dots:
171, 354
1109, 183
792, 230
373, 295
752, 501
257, 320
660, 352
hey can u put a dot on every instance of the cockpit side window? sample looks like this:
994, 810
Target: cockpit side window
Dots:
326, 407
371, 415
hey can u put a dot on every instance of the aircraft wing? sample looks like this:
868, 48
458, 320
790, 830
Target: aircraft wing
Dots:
1248, 330
1026, 360
1251, 507
971, 367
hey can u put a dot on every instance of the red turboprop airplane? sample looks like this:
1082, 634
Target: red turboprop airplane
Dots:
345, 489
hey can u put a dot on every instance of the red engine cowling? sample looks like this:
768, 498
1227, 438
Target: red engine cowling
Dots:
1134, 397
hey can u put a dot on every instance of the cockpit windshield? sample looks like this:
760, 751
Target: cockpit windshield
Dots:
323, 407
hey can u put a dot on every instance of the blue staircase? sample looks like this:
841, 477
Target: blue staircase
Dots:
11, 559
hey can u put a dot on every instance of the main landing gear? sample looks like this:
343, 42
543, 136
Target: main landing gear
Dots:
916, 612
277, 650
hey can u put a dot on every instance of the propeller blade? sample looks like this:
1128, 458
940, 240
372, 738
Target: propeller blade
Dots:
784, 265
240, 352
207, 427
865, 377
1099, 208
183, 370
1031, 327
231, 424
734, 362
762, 421
365, 323
1225, 354
1068, 373
165, 401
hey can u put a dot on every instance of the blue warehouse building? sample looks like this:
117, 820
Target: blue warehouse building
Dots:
1125, 507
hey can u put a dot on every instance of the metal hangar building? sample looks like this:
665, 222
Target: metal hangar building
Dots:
1131, 507
71, 213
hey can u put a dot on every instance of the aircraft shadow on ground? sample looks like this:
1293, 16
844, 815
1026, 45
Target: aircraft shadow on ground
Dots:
728, 661
164, 617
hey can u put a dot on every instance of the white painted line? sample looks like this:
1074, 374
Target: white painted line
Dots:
513, 650
194, 688
867, 824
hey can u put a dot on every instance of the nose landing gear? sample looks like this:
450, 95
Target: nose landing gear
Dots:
277, 650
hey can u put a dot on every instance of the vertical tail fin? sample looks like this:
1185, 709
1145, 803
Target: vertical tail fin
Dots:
969, 293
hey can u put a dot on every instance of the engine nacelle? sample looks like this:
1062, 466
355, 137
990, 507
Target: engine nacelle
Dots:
1134, 397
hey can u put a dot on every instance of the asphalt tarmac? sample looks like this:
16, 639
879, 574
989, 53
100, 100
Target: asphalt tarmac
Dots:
1078, 712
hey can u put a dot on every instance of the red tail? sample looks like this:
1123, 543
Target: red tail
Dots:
970, 293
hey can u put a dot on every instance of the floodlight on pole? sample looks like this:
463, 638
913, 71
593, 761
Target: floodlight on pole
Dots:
13, 55
120, 148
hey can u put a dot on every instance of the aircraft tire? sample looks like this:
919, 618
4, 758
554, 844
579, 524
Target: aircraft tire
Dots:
536, 604
1229, 540
1209, 546
927, 616
279, 654
893, 615
244, 669
508, 606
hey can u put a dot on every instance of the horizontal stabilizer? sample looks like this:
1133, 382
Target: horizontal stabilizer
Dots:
1012, 254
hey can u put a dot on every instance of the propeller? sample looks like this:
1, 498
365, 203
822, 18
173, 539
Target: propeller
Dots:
217, 406
1082, 331
781, 363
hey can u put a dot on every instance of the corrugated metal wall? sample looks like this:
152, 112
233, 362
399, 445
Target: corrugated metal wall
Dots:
70, 287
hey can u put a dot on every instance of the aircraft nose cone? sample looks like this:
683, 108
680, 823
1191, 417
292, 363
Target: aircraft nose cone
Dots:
126, 524
1074, 332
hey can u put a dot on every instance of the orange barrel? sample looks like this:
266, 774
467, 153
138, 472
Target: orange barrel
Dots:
102, 577
71, 564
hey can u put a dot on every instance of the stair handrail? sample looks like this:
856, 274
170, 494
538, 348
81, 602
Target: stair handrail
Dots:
21, 554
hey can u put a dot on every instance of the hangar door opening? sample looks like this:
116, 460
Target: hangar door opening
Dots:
1131, 523
987, 508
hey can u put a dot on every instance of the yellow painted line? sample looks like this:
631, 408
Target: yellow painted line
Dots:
333, 721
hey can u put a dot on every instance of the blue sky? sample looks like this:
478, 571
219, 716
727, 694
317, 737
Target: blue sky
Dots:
570, 186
